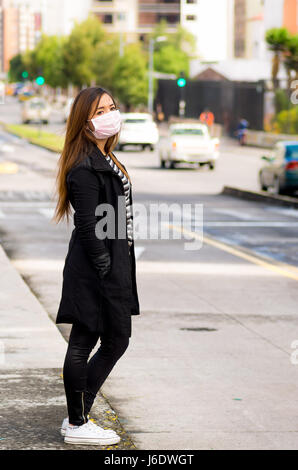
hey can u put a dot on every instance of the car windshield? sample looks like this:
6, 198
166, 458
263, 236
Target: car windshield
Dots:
188, 132
37, 104
292, 152
135, 121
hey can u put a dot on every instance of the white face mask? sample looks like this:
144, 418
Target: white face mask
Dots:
106, 125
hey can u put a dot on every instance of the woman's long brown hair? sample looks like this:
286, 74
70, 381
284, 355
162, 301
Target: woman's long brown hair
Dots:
78, 144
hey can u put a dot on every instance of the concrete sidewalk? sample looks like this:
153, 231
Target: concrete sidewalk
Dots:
32, 352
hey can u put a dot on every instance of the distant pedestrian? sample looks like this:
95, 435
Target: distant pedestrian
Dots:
207, 117
99, 291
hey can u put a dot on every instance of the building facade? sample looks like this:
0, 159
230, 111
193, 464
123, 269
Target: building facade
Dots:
290, 15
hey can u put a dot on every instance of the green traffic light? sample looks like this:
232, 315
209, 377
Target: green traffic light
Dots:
39, 80
181, 82
25, 74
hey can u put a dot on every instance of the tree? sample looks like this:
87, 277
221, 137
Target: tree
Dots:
79, 49
174, 53
16, 68
49, 59
171, 60
130, 81
31, 65
291, 56
104, 60
277, 39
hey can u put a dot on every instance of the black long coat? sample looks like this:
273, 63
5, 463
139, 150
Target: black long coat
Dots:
106, 305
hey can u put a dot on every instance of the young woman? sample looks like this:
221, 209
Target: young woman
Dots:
99, 291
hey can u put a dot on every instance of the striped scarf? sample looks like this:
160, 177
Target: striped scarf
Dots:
126, 186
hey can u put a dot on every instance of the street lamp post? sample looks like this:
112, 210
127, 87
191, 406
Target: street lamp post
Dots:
150, 74
121, 17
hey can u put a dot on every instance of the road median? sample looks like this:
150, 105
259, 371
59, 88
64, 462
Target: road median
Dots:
261, 196
36, 136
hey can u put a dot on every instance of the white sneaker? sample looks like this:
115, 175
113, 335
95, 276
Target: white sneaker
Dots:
65, 423
89, 434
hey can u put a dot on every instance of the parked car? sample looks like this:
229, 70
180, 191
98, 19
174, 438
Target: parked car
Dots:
280, 174
25, 95
36, 109
138, 129
188, 143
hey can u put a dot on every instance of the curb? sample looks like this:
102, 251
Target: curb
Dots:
32, 344
260, 196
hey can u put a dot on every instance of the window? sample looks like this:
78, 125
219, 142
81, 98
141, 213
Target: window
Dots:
191, 17
190, 131
108, 18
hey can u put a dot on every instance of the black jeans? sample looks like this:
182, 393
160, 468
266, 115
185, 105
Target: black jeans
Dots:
83, 378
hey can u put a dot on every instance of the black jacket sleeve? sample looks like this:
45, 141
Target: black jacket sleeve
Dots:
84, 193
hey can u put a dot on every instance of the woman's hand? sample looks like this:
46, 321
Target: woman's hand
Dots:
103, 264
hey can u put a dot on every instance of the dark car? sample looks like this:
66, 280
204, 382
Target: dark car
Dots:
280, 174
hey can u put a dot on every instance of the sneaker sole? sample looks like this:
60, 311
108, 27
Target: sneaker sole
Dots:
63, 432
92, 442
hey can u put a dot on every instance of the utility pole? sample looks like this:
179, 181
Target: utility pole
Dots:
150, 72
150, 85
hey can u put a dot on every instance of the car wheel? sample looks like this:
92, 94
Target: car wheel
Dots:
151, 148
172, 165
276, 186
211, 165
120, 147
162, 164
263, 186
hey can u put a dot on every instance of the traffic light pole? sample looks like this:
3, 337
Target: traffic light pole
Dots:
181, 82
182, 102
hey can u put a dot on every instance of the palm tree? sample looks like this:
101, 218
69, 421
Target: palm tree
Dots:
291, 57
277, 39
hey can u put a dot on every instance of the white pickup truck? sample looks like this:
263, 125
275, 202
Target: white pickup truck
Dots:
188, 143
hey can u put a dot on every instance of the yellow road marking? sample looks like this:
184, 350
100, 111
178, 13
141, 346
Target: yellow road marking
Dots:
8, 167
282, 269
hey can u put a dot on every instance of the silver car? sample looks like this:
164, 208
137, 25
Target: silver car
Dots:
36, 110
280, 173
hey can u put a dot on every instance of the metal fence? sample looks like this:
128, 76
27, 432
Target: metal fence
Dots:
229, 101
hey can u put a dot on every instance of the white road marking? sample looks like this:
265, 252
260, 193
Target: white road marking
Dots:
38, 264
239, 223
48, 212
218, 269
7, 148
26, 204
235, 213
283, 211
138, 251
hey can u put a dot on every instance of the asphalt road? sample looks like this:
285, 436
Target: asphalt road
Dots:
209, 362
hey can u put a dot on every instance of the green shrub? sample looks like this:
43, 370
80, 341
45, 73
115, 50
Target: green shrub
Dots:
287, 121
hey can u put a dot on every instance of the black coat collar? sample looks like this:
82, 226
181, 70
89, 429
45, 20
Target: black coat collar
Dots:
98, 160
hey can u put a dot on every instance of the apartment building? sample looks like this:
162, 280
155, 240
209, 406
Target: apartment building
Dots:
118, 16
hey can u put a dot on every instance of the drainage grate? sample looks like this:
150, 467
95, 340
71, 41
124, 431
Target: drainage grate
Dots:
199, 329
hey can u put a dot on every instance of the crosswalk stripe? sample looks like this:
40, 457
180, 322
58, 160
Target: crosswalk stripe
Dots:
48, 212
